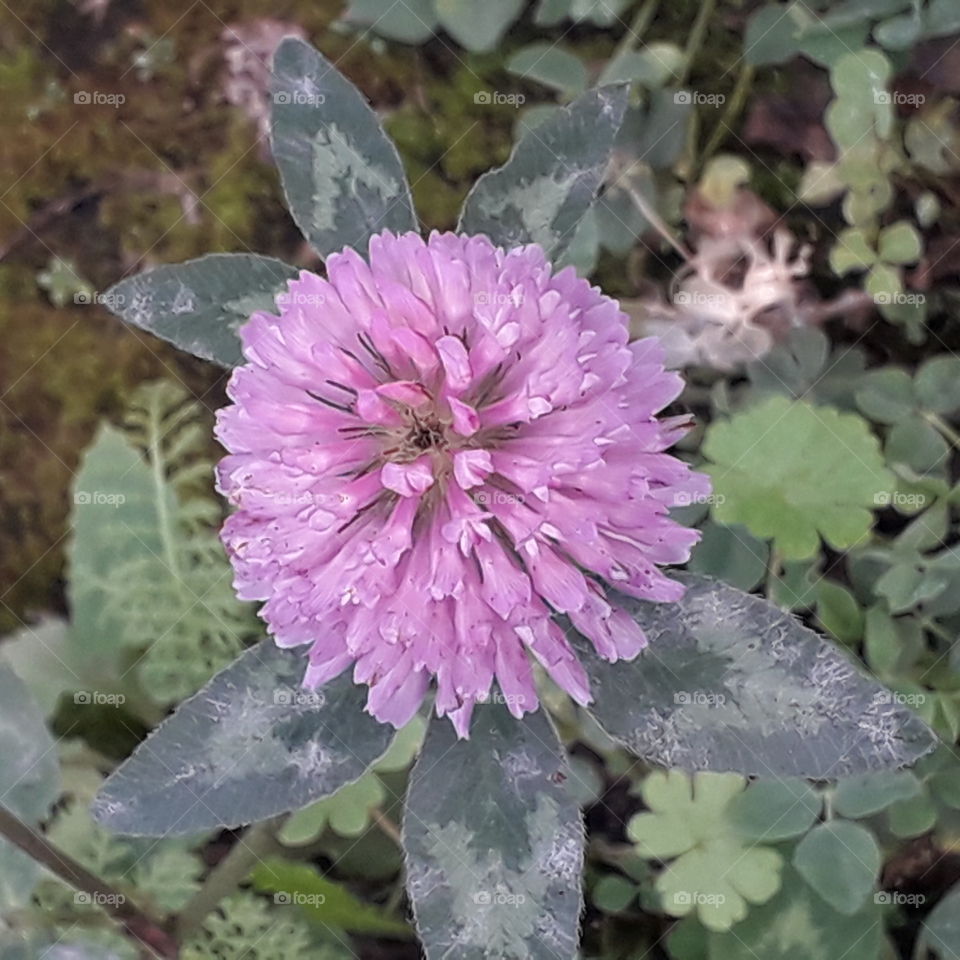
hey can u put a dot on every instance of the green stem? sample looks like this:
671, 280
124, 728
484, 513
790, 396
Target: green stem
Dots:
160, 492
698, 33
637, 27
146, 929
944, 428
253, 847
774, 565
733, 109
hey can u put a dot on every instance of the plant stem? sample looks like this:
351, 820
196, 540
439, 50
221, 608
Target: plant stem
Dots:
146, 929
653, 218
773, 571
944, 428
387, 826
697, 34
734, 106
637, 28
258, 842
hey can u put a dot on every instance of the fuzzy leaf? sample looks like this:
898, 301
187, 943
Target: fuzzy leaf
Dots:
199, 305
494, 841
549, 182
731, 682
795, 472
341, 174
250, 745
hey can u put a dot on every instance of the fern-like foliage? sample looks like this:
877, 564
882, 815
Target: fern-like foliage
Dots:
246, 927
150, 586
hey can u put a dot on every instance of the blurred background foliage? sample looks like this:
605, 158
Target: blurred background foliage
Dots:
783, 208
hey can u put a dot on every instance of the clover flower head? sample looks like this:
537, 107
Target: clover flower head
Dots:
433, 453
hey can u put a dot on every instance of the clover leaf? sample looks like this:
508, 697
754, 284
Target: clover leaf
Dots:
794, 472
716, 872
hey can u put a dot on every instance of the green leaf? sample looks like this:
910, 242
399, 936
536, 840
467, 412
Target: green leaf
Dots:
716, 872
244, 927
324, 902
771, 810
730, 682
886, 395
900, 243
149, 582
941, 929
549, 182
852, 251
869, 793
494, 841
795, 472
938, 384
651, 67
838, 612
412, 21
550, 65
199, 305
477, 26
341, 174
29, 781
913, 817
731, 554
252, 744
840, 861
797, 925
917, 444
613, 893
771, 35
42, 658
347, 812
943, 18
